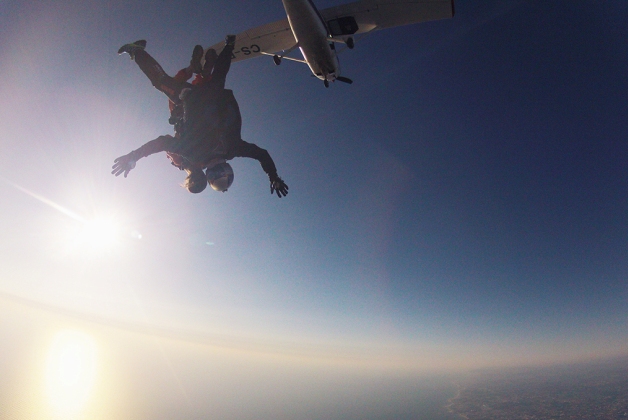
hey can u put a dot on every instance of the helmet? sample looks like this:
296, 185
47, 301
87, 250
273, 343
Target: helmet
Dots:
196, 181
220, 176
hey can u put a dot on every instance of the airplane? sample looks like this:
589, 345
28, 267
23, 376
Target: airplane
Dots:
315, 33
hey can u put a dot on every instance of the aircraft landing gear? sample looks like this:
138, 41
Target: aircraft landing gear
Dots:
277, 60
350, 43
326, 83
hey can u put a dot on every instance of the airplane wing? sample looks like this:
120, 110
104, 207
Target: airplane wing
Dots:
267, 39
369, 15
348, 19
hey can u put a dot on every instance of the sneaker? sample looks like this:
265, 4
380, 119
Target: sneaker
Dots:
230, 40
132, 48
195, 62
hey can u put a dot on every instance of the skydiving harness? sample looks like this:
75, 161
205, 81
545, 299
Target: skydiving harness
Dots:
206, 124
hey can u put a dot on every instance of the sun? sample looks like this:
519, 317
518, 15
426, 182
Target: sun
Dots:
100, 233
96, 236
70, 372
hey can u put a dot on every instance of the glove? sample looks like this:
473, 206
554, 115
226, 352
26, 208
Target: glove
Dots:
123, 164
277, 185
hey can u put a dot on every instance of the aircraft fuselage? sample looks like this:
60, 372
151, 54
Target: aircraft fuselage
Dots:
311, 33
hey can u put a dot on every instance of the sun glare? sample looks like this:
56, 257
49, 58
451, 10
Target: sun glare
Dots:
70, 372
99, 233
96, 236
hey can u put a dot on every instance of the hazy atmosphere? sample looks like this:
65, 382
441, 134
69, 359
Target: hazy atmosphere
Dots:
462, 205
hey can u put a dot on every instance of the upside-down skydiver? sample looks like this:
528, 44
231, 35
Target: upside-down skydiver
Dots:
209, 130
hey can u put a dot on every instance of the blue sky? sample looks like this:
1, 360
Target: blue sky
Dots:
461, 205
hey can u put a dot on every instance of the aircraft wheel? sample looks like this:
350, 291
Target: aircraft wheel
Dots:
277, 59
326, 82
350, 43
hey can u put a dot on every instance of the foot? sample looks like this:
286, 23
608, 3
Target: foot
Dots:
230, 40
132, 48
195, 62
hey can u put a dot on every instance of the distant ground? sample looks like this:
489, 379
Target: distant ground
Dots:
588, 391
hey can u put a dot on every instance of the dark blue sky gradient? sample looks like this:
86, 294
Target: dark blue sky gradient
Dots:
520, 197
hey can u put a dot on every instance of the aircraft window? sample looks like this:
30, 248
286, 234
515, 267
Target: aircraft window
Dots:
343, 26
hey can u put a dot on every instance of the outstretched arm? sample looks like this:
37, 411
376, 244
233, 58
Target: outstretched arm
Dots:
124, 164
250, 150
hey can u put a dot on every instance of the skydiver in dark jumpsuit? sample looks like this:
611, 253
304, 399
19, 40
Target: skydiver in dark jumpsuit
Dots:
208, 134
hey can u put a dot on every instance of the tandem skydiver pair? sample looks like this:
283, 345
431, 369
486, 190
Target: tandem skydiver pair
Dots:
206, 118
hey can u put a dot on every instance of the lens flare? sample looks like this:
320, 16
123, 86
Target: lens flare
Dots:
70, 372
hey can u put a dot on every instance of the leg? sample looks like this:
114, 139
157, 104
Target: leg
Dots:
158, 77
223, 63
186, 73
210, 61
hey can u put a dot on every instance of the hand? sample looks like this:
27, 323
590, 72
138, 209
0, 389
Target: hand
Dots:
123, 164
277, 185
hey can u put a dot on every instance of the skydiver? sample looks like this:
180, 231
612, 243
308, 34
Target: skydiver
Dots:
210, 131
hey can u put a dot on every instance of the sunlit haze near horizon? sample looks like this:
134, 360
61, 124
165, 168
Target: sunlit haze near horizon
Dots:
462, 205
